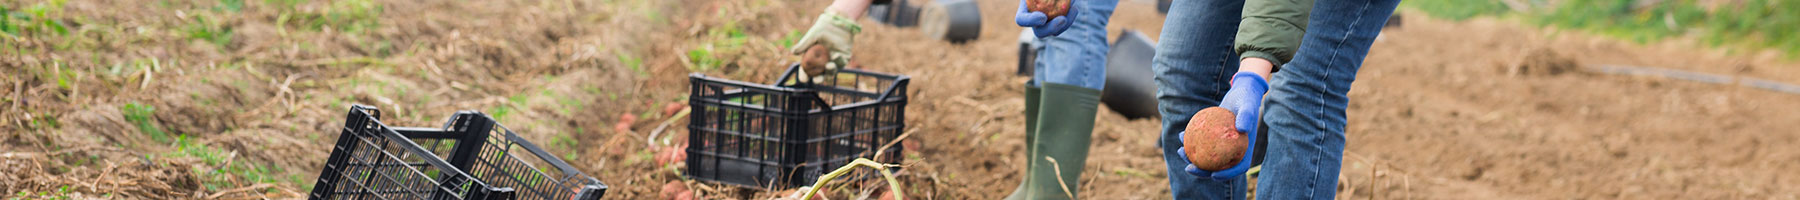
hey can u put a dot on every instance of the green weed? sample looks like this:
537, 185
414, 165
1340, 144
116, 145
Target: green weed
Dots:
41, 121
566, 143
500, 112
229, 6
351, 16
1457, 9
725, 39
790, 39
284, 5
226, 176
65, 78
208, 29
60, 193
634, 63
34, 19
1754, 24
143, 116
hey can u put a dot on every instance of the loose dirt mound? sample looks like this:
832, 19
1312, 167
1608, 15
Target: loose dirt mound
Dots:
146, 102
1541, 62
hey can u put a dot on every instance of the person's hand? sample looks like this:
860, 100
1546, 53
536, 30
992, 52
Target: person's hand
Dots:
832, 31
1041, 24
1245, 101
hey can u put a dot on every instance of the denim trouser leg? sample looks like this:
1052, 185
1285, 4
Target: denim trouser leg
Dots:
1305, 105
1078, 56
1193, 63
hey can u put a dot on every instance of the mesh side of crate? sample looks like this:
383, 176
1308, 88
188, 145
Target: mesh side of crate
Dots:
506, 160
371, 161
789, 134
857, 125
741, 133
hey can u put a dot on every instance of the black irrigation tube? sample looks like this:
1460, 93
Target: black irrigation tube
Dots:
1697, 77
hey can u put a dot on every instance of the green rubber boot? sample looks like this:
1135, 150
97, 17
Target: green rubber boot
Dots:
1064, 131
1032, 96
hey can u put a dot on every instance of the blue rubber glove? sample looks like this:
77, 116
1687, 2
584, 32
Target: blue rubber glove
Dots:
1041, 25
1244, 100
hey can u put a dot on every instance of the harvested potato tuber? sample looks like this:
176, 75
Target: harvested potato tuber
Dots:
675, 190
1212, 140
672, 155
813, 61
796, 193
886, 195
1052, 8
672, 108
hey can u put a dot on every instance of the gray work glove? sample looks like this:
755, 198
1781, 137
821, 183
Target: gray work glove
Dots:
835, 32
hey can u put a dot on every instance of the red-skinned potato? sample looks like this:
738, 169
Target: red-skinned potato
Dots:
1213, 142
675, 190
672, 108
796, 193
886, 195
672, 155
1052, 8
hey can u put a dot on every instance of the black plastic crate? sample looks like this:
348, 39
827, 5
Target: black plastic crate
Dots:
787, 134
471, 157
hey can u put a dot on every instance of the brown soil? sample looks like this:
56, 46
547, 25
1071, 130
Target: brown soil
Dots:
1443, 110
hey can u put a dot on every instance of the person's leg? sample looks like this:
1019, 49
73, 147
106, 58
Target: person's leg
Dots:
1033, 95
1193, 63
1305, 107
1070, 73
1078, 56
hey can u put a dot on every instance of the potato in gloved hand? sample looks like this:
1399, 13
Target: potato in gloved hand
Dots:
826, 46
814, 61
1212, 140
1052, 8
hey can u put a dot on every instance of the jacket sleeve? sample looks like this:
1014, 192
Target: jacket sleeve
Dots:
1271, 29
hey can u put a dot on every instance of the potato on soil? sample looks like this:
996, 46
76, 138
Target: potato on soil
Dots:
886, 195
1213, 142
622, 127
675, 190
796, 193
672, 155
672, 108
624, 124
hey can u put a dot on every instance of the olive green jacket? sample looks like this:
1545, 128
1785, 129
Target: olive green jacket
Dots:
1271, 29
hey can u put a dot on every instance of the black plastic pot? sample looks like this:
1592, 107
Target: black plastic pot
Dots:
1130, 84
953, 20
895, 12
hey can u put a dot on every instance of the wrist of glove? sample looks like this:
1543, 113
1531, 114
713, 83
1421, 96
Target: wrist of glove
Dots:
1042, 24
833, 31
1245, 101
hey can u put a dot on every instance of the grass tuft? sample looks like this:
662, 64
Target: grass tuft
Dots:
350, 16
143, 116
222, 171
1753, 24
33, 20
208, 29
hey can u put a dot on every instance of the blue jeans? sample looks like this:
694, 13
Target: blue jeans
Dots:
1077, 56
1304, 109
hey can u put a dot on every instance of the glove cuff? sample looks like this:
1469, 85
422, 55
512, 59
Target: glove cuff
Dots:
845, 24
1251, 80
